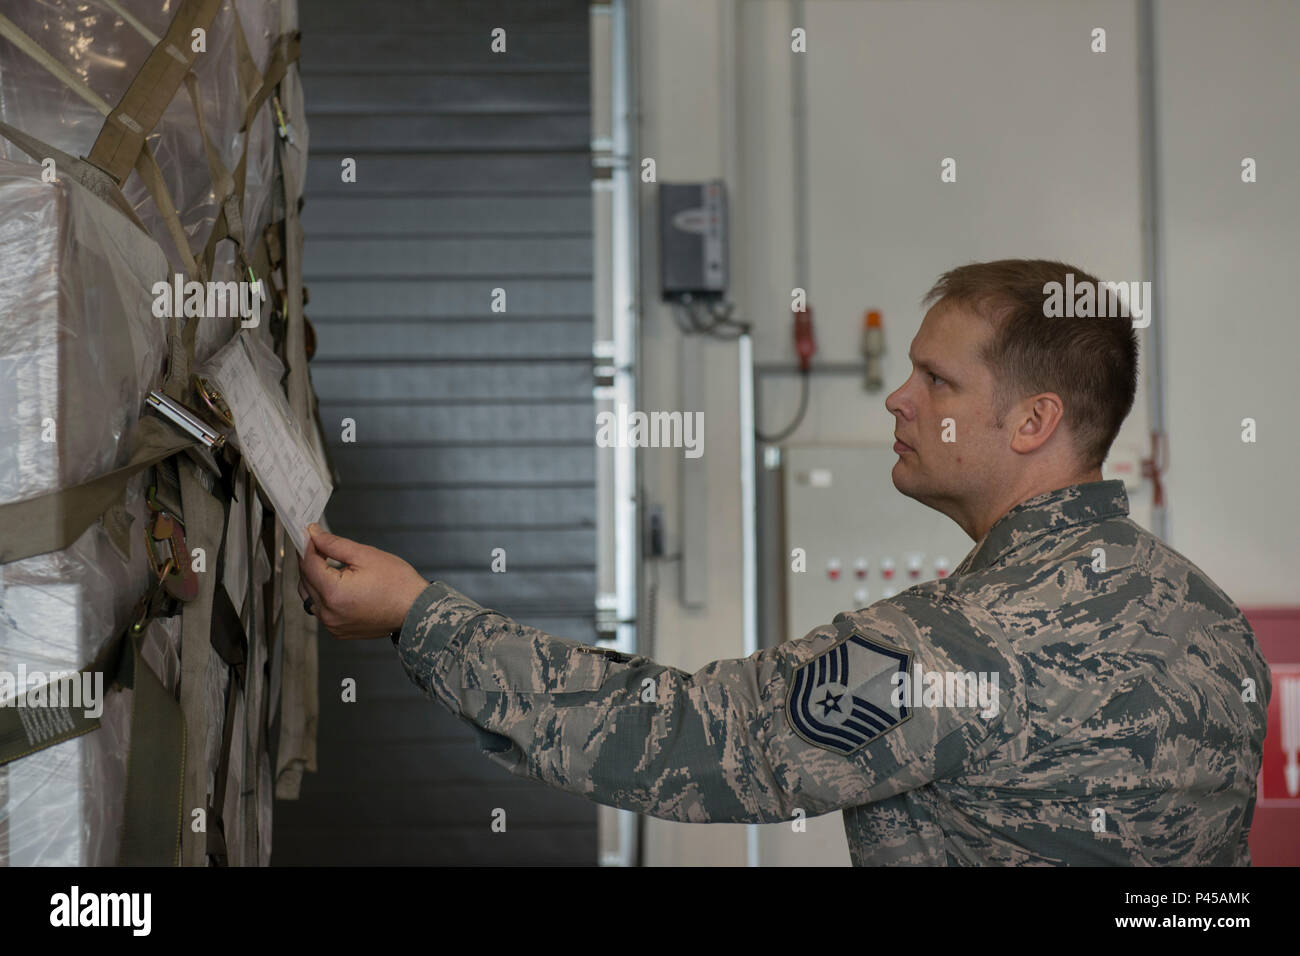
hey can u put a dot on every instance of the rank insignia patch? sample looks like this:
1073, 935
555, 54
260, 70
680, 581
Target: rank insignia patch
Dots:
842, 700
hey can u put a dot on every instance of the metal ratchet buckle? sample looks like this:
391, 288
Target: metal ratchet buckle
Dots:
214, 400
186, 419
166, 534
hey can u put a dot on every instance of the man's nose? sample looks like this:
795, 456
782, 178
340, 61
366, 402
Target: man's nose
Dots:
894, 403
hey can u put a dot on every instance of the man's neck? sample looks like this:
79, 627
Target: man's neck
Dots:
979, 525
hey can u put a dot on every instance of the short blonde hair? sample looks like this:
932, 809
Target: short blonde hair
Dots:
1091, 363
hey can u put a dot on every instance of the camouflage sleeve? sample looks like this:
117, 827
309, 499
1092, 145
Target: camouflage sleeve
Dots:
815, 724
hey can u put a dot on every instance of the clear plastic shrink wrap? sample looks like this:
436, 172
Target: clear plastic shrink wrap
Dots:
81, 347
80, 351
91, 40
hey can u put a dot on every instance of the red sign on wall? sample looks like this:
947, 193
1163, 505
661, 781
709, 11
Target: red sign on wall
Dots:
1279, 778
1275, 831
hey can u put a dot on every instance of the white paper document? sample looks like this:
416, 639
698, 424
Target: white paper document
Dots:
280, 455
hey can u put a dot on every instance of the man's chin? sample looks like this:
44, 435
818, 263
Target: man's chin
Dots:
901, 480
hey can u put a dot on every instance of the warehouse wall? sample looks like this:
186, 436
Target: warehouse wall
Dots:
473, 427
1046, 137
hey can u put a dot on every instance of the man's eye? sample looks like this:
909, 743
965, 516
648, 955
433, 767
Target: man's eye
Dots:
936, 378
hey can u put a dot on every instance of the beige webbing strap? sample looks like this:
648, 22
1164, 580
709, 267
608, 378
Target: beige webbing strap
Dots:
92, 177
299, 700
261, 646
223, 184
152, 177
299, 689
122, 137
144, 161
52, 521
286, 51
273, 236
204, 528
230, 220
153, 38
260, 256
9, 30
152, 810
254, 90
62, 714
27, 730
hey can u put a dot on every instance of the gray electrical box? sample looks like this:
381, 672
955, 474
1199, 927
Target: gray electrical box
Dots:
693, 240
863, 539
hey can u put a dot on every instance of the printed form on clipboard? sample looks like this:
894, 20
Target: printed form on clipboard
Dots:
285, 463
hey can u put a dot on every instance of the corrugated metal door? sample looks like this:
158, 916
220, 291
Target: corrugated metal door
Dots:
473, 427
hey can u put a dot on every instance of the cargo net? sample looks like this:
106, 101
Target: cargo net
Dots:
158, 680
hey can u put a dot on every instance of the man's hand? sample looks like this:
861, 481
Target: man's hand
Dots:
370, 597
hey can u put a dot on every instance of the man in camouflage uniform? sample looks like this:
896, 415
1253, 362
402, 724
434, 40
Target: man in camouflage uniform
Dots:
1121, 711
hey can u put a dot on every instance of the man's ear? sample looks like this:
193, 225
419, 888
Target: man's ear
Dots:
1042, 415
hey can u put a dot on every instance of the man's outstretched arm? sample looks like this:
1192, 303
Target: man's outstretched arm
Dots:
809, 725
746, 740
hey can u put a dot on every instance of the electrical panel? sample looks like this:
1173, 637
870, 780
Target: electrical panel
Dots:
693, 240
862, 538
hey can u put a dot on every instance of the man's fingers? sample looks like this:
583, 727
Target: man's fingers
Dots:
313, 571
342, 549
